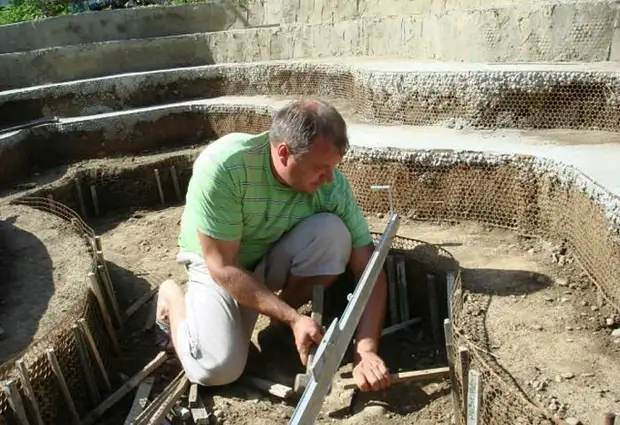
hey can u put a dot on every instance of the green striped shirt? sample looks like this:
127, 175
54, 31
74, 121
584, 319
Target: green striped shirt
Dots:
233, 195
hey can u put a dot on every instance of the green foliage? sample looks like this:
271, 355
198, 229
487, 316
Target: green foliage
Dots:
30, 10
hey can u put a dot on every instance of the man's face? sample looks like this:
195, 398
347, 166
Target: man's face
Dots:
313, 169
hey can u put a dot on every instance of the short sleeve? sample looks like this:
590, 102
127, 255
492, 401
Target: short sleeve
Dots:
341, 201
214, 202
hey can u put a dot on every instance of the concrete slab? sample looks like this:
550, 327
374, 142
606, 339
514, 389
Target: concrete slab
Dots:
523, 33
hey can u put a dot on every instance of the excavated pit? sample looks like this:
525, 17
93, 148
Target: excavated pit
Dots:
532, 197
537, 208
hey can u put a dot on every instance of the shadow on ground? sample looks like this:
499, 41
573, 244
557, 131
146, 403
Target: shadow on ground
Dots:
26, 287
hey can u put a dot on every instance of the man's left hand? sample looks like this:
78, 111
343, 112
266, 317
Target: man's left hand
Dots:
370, 372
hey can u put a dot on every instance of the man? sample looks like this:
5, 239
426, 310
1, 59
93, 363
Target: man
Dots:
267, 213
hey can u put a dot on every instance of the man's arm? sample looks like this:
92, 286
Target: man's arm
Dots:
371, 323
221, 259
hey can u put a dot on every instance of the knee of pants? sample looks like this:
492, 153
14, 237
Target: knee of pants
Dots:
215, 372
331, 242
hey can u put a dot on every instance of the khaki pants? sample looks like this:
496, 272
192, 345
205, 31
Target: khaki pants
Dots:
214, 339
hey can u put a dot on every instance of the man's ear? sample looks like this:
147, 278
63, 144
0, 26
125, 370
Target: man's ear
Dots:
284, 153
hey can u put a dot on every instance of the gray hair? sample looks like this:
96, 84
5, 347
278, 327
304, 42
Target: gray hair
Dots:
301, 122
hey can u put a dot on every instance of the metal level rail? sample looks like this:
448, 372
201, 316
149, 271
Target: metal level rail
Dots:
334, 344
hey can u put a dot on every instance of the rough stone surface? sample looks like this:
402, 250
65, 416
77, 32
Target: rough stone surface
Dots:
516, 33
396, 92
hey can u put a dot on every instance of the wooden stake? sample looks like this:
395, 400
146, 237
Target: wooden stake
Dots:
93, 193
102, 267
133, 382
401, 277
175, 183
392, 290
91, 383
80, 197
97, 290
447, 326
109, 290
474, 395
140, 400
51, 357
95, 351
24, 376
416, 375
450, 282
464, 366
608, 419
15, 401
431, 289
159, 188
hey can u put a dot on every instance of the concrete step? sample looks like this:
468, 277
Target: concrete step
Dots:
148, 22
121, 24
456, 95
137, 131
520, 33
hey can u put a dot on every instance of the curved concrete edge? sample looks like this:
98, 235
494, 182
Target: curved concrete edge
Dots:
569, 96
568, 175
133, 132
121, 24
517, 33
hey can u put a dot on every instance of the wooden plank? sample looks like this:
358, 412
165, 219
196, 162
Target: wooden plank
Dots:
199, 412
140, 400
431, 289
124, 389
93, 194
464, 367
151, 409
24, 376
144, 298
278, 390
474, 395
399, 326
64, 388
15, 401
447, 326
95, 352
416, 375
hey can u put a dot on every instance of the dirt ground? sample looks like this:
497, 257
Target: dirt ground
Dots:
43, 271
546, 326
545, 323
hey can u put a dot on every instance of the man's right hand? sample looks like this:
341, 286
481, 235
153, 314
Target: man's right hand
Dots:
306, 332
